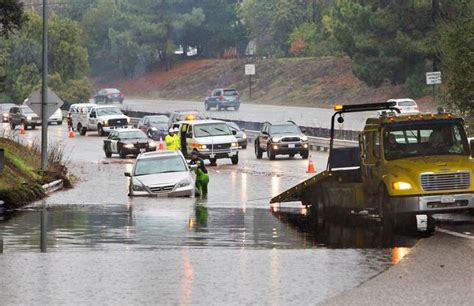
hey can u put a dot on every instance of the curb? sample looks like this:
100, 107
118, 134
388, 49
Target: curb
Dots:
53, 186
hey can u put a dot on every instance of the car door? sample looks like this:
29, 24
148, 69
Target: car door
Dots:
14, 115
146, 125
114, 139
371, 160
264, 136
92, 119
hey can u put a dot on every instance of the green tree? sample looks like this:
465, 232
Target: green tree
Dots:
11, 16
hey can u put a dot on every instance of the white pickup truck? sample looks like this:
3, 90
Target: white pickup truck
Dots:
100, 118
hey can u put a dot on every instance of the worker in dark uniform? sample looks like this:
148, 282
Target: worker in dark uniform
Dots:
202, 176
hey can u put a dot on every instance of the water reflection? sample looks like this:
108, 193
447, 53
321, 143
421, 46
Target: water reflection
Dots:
343, 233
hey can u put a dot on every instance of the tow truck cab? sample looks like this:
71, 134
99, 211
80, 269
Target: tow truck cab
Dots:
403, 166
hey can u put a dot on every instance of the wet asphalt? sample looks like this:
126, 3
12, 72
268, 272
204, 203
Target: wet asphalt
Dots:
231, 248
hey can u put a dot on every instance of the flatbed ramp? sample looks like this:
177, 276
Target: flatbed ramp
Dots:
301, 190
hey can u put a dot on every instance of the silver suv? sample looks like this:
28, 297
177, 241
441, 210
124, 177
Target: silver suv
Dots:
281, 139
23, 115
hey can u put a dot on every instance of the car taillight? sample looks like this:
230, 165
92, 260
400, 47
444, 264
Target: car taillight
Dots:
121, 94
109, 95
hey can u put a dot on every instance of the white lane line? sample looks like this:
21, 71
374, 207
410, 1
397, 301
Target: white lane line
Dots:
456, 234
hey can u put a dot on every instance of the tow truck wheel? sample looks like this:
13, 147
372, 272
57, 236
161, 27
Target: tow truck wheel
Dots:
108, 154
270, 153
235, 159
384, 208
258, 151
122, 154
305, 155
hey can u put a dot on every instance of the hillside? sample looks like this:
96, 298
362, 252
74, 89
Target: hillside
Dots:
300, 81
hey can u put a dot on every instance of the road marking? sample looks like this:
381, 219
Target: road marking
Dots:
456, 234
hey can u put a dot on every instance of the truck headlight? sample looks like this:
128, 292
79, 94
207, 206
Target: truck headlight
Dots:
401, 186
304, 138
204, 147
234, 145
184, 183
244, 136
106, 122
276, 139
129, 146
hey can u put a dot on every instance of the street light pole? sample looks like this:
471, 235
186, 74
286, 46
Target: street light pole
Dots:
44, 92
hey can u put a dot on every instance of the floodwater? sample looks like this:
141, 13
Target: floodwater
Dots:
232, 248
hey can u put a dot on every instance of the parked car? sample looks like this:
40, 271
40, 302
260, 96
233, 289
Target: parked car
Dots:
183, 115
223, 98
109, 95
56, 117
281, 139
406, 106
163, 173
239, 134
5, 111
212, 138
23, 115
100, 118
128, 142
155, 127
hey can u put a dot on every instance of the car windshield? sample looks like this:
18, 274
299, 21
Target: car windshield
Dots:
211, 129
230, 93
285, 129
26, 110
425, 140
159, 119
108, 111
132, 135
162, 164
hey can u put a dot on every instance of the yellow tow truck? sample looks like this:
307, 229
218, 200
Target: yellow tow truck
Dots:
404, 168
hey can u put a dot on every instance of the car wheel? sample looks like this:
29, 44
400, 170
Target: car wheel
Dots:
32, 127
213, 161
292, 155
122, 154
270, 153
244, 147
82, 131
60, 122
219, 108
258, 151
108, 154
207, 106
235, 159
100, 130
305, 154
236, 108
12, 126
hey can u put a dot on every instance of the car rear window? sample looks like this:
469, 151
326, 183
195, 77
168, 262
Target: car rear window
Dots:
406, 103
112, 90
230, 93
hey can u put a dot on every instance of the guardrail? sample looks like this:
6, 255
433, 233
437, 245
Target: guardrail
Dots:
316, 143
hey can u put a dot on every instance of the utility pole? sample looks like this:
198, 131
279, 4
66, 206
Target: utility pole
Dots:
44, 92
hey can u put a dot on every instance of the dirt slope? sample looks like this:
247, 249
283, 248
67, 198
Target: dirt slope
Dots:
302, 82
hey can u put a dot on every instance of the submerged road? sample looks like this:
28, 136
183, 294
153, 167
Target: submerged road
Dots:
104, 247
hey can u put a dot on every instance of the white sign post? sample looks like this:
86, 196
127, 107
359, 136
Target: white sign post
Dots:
250, 70
34, 102
433, 79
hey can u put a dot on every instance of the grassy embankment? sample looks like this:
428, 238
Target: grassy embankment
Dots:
21, 181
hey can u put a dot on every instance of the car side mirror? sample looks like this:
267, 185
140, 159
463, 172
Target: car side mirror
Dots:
234, 132
303, 131
265, 133
243, 130
127, 174
472, 148
193, 167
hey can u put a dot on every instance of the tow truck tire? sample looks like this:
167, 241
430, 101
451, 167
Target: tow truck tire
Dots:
108, 154
213, 161
235, 159
258, 151
384, 208
270, 153
100, 130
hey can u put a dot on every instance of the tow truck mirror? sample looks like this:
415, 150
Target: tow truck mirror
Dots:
127, 174
472, 148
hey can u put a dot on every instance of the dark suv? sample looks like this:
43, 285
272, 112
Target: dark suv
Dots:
281, 139
223, 98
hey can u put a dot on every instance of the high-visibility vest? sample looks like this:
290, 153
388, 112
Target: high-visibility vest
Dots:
177, 141
170, 143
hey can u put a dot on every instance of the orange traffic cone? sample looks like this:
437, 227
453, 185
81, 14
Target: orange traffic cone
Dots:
162, 145
70, 134
22, 130
310, 166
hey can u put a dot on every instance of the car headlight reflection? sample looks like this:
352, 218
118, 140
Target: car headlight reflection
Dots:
244, 136
401, 186
276, 139
304, 138
184, 183
152, 144
234, 145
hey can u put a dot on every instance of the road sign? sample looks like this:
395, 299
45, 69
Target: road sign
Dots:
34, 102
433, 78
250, 69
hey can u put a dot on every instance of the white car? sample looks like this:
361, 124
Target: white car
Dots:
57, 117
406, 106
161, 173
